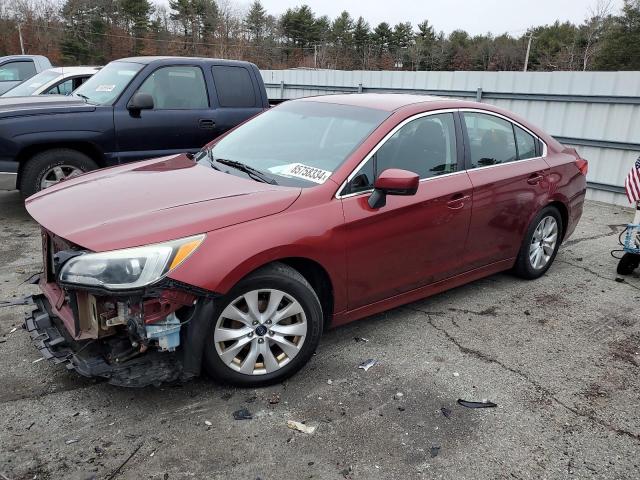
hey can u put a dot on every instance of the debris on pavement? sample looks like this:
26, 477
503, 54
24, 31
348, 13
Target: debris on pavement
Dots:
435, 450
117, 470
456, 374
367, 364
38, 360
483, 404
208, 423
329, 382
361, 339
242, 414
446, 412
275, 398
301, 427
398, 396
72, 440
13, 329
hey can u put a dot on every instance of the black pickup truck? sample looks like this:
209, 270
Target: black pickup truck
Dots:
132, 109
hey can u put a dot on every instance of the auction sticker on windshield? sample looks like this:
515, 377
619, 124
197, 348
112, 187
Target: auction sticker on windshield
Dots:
105, 88
299, 170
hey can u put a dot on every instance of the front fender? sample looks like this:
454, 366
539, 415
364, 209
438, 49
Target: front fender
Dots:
229, 254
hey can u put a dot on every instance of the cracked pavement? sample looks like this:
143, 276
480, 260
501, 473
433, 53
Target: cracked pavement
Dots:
559, 355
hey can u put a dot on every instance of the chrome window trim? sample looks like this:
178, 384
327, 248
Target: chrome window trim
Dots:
436, 112
381, 143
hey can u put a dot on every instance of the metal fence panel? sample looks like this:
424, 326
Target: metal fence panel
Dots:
596, 112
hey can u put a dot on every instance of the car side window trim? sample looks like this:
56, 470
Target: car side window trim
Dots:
379, 145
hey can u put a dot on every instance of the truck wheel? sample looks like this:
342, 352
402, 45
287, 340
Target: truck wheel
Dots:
540, 244
51, 166
265, 329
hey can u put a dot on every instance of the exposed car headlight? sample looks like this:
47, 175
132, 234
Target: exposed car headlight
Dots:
129, 268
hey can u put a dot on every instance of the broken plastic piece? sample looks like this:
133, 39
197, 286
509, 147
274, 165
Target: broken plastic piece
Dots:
301, 427
367, 364
446, 412
242, 414
485, 404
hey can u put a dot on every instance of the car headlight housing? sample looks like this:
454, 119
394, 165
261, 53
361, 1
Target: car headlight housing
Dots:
130, 268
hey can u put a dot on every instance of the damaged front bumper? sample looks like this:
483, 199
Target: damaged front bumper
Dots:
147, 336
90, 358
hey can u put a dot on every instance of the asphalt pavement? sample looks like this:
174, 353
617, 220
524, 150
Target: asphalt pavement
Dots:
559, 356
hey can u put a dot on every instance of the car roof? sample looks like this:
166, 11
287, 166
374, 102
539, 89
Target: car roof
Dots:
159, 59
379, 101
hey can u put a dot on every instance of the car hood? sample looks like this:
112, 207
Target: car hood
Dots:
152, 201
42, 104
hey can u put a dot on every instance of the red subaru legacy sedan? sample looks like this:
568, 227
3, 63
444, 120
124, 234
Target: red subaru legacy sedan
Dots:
313, 214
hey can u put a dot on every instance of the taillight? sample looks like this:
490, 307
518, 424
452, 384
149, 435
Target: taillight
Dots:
582, 165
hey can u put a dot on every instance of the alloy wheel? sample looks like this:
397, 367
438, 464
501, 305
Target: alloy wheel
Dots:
260, 332
543, 242
57, 174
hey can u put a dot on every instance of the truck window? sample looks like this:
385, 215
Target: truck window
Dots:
177, 88
17, 71
234, 86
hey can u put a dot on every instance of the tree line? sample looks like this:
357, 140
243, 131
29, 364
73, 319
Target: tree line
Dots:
94, 32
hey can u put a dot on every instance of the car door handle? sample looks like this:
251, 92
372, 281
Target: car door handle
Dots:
535, 178
206, 124
457, 201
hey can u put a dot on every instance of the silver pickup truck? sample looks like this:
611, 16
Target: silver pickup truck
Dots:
15, 69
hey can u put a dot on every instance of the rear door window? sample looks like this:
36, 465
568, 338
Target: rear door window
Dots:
177, 88
491, 140
234, 86
17, 71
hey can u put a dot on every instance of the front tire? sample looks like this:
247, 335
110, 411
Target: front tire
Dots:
51, 166
540, 244
265, 329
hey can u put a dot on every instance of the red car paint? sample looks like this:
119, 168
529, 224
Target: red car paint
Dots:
455, 229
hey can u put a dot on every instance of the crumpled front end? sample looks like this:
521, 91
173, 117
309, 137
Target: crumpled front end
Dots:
134, 338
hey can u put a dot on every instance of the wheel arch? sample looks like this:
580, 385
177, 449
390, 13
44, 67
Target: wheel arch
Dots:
87, 148
310, 268
564, 213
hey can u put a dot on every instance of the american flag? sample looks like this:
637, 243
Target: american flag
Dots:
632, 183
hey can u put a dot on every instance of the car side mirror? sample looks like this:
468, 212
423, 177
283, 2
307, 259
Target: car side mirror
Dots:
393, 181
140, 101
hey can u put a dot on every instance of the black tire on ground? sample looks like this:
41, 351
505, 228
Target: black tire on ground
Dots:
38, 165
523, 267
628, 263
274, 276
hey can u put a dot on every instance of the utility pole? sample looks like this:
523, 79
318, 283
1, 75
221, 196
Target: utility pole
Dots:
20, 35
526, 58
315, 55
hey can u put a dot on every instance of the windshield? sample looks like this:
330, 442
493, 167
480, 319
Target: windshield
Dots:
107, 85
299, 143
30, 86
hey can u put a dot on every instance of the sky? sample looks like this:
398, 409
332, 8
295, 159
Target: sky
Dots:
474, 16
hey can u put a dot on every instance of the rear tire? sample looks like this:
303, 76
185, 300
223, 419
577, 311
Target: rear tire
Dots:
628, 263
247, 336
43, 165
537, 252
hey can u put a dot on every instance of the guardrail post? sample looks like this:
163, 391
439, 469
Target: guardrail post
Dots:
359, 88
479, 95
282, 89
